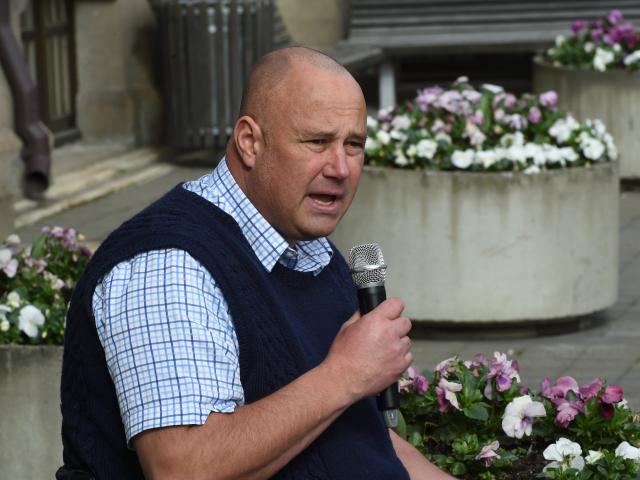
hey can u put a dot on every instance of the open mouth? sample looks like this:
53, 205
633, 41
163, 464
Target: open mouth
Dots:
323, 199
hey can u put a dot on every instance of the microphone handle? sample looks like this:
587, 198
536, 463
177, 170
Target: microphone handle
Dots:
368, 299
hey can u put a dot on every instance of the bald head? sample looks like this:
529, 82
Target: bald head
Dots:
269, 75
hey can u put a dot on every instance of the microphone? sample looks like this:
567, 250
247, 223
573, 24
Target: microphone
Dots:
368, 272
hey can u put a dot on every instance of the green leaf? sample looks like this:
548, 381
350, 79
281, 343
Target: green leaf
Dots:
38, 246
401, 429
415, 439
477, 411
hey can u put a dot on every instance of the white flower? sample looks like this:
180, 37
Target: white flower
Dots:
372, 123
383, 137
536, 153
511, 139
401, 122
4, 325
592, 148
519, 414
400, 159
486, 157
532, 169
569, 154
623, 404
13, 299
560, 39
612, 150
617, 48
562, 129
632, 58
495, 89
29, 319
398, 135
516, 153
594, 456
475, 135
8, 264
625, 450
13, 240
565, 454
552, 154
588, 47
462, 159
371, 145
602, 58
426, 148
443, 137
412, 151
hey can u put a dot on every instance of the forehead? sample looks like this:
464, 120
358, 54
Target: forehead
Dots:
314, 98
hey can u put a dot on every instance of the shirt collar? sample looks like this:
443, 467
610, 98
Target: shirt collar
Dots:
270, 247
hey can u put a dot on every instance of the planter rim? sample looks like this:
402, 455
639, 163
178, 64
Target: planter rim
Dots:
540, 61
506, 174
15, 346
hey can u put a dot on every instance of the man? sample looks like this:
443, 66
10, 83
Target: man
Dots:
218, 323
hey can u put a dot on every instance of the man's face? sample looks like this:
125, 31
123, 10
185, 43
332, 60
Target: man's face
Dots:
305, 178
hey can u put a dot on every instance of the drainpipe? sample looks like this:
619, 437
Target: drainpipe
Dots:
36, 152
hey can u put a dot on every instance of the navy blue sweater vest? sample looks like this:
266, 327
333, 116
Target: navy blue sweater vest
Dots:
285, 322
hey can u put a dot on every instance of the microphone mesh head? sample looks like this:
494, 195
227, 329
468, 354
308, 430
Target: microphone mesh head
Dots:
367, 264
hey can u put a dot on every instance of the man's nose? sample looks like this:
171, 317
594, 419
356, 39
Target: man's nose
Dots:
337, 166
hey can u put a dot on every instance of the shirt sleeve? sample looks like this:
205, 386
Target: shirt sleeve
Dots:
169, 341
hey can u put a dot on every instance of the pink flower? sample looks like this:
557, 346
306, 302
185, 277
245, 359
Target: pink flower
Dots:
534, 115
612, 395
488, 453
567, 411
563, 386
446, 394
549, 99
590, 389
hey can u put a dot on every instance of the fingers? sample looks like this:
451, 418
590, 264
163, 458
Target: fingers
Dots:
391, 307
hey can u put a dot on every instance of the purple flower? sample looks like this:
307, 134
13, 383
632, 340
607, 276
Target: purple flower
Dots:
567, 411
503, 371
427, 97
577, 26
614, 17
488, 453
420, 384
549, 99
534, 115
446, 395
596, 34
590, 389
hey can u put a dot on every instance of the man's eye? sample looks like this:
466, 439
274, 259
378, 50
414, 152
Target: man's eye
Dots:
318, 141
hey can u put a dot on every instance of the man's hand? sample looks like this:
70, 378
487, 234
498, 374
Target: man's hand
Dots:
370, 352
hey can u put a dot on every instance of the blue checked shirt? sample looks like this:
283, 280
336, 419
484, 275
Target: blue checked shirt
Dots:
165, 326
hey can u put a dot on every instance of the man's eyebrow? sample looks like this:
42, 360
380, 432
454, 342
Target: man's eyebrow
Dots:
318, 133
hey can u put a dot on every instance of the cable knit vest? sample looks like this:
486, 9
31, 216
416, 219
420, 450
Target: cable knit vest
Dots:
285, 322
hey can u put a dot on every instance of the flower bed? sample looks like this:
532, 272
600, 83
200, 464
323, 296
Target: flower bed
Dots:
595, 72
476, 420
36, 283
600, 44
484, 130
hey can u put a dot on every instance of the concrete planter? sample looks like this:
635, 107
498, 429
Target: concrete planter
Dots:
612, 96
492, 247
30, 442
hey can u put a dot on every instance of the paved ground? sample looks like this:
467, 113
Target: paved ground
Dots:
607, 349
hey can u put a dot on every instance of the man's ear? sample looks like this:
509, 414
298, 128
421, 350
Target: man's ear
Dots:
248, 139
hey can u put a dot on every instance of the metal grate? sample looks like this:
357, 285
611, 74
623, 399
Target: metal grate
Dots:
209, 49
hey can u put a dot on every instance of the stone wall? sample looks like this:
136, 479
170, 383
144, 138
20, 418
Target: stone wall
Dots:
118, 82
315, 23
